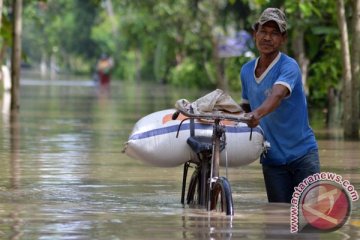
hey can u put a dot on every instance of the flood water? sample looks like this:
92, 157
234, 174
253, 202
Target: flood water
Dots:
63, 174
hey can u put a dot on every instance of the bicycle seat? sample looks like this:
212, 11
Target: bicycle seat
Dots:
202, 143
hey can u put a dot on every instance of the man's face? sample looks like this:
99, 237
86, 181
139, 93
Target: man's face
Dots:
268, 38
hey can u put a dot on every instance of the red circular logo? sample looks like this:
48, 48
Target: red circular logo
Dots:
325, 206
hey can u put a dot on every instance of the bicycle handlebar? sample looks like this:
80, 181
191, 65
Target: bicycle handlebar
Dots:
209, 116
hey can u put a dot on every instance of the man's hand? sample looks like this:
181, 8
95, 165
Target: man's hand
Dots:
254, 119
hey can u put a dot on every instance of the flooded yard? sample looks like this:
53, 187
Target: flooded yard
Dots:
64, 176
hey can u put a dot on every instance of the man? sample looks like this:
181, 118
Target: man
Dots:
273, 96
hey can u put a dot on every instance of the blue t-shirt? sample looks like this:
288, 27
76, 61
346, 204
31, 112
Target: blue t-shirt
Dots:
287, 127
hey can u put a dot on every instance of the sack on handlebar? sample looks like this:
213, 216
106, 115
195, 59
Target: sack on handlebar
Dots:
153, 140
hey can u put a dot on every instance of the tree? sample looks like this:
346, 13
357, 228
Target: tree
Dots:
350, 91
298, 39
16, 55
355, 68
1, 50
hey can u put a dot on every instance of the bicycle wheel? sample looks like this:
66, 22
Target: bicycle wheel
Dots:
192, 194
198, 186
221, 197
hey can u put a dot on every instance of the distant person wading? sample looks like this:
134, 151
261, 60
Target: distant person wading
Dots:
103, 70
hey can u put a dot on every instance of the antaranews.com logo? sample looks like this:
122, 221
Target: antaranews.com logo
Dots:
321, 202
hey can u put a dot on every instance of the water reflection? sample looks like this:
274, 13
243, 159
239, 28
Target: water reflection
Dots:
14, 150
11, 123
63, 175
207, 226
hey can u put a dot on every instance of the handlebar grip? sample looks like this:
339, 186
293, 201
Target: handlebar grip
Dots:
175, 115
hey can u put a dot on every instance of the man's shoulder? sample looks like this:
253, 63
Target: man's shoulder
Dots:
249, 64
288, 62
287, 58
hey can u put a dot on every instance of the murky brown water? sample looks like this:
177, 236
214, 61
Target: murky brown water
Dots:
63, 175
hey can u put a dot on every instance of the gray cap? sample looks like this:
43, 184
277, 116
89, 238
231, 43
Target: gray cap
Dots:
273, 14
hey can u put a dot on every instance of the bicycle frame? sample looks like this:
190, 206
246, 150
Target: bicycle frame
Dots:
215, 182
218, 132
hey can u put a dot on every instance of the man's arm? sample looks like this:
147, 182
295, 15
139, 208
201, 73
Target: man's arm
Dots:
278, 93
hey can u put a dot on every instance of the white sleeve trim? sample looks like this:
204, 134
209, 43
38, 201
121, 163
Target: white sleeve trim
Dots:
285, 84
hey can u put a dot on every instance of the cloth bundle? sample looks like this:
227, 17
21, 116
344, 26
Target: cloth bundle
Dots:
214, 101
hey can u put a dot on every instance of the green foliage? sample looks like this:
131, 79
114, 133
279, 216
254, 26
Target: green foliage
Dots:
190, 74
101, 35
160, 66
130, 71
232, 71
5, 31
322, 46
171, 41
326, 70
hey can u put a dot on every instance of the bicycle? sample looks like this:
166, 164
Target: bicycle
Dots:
206, 188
